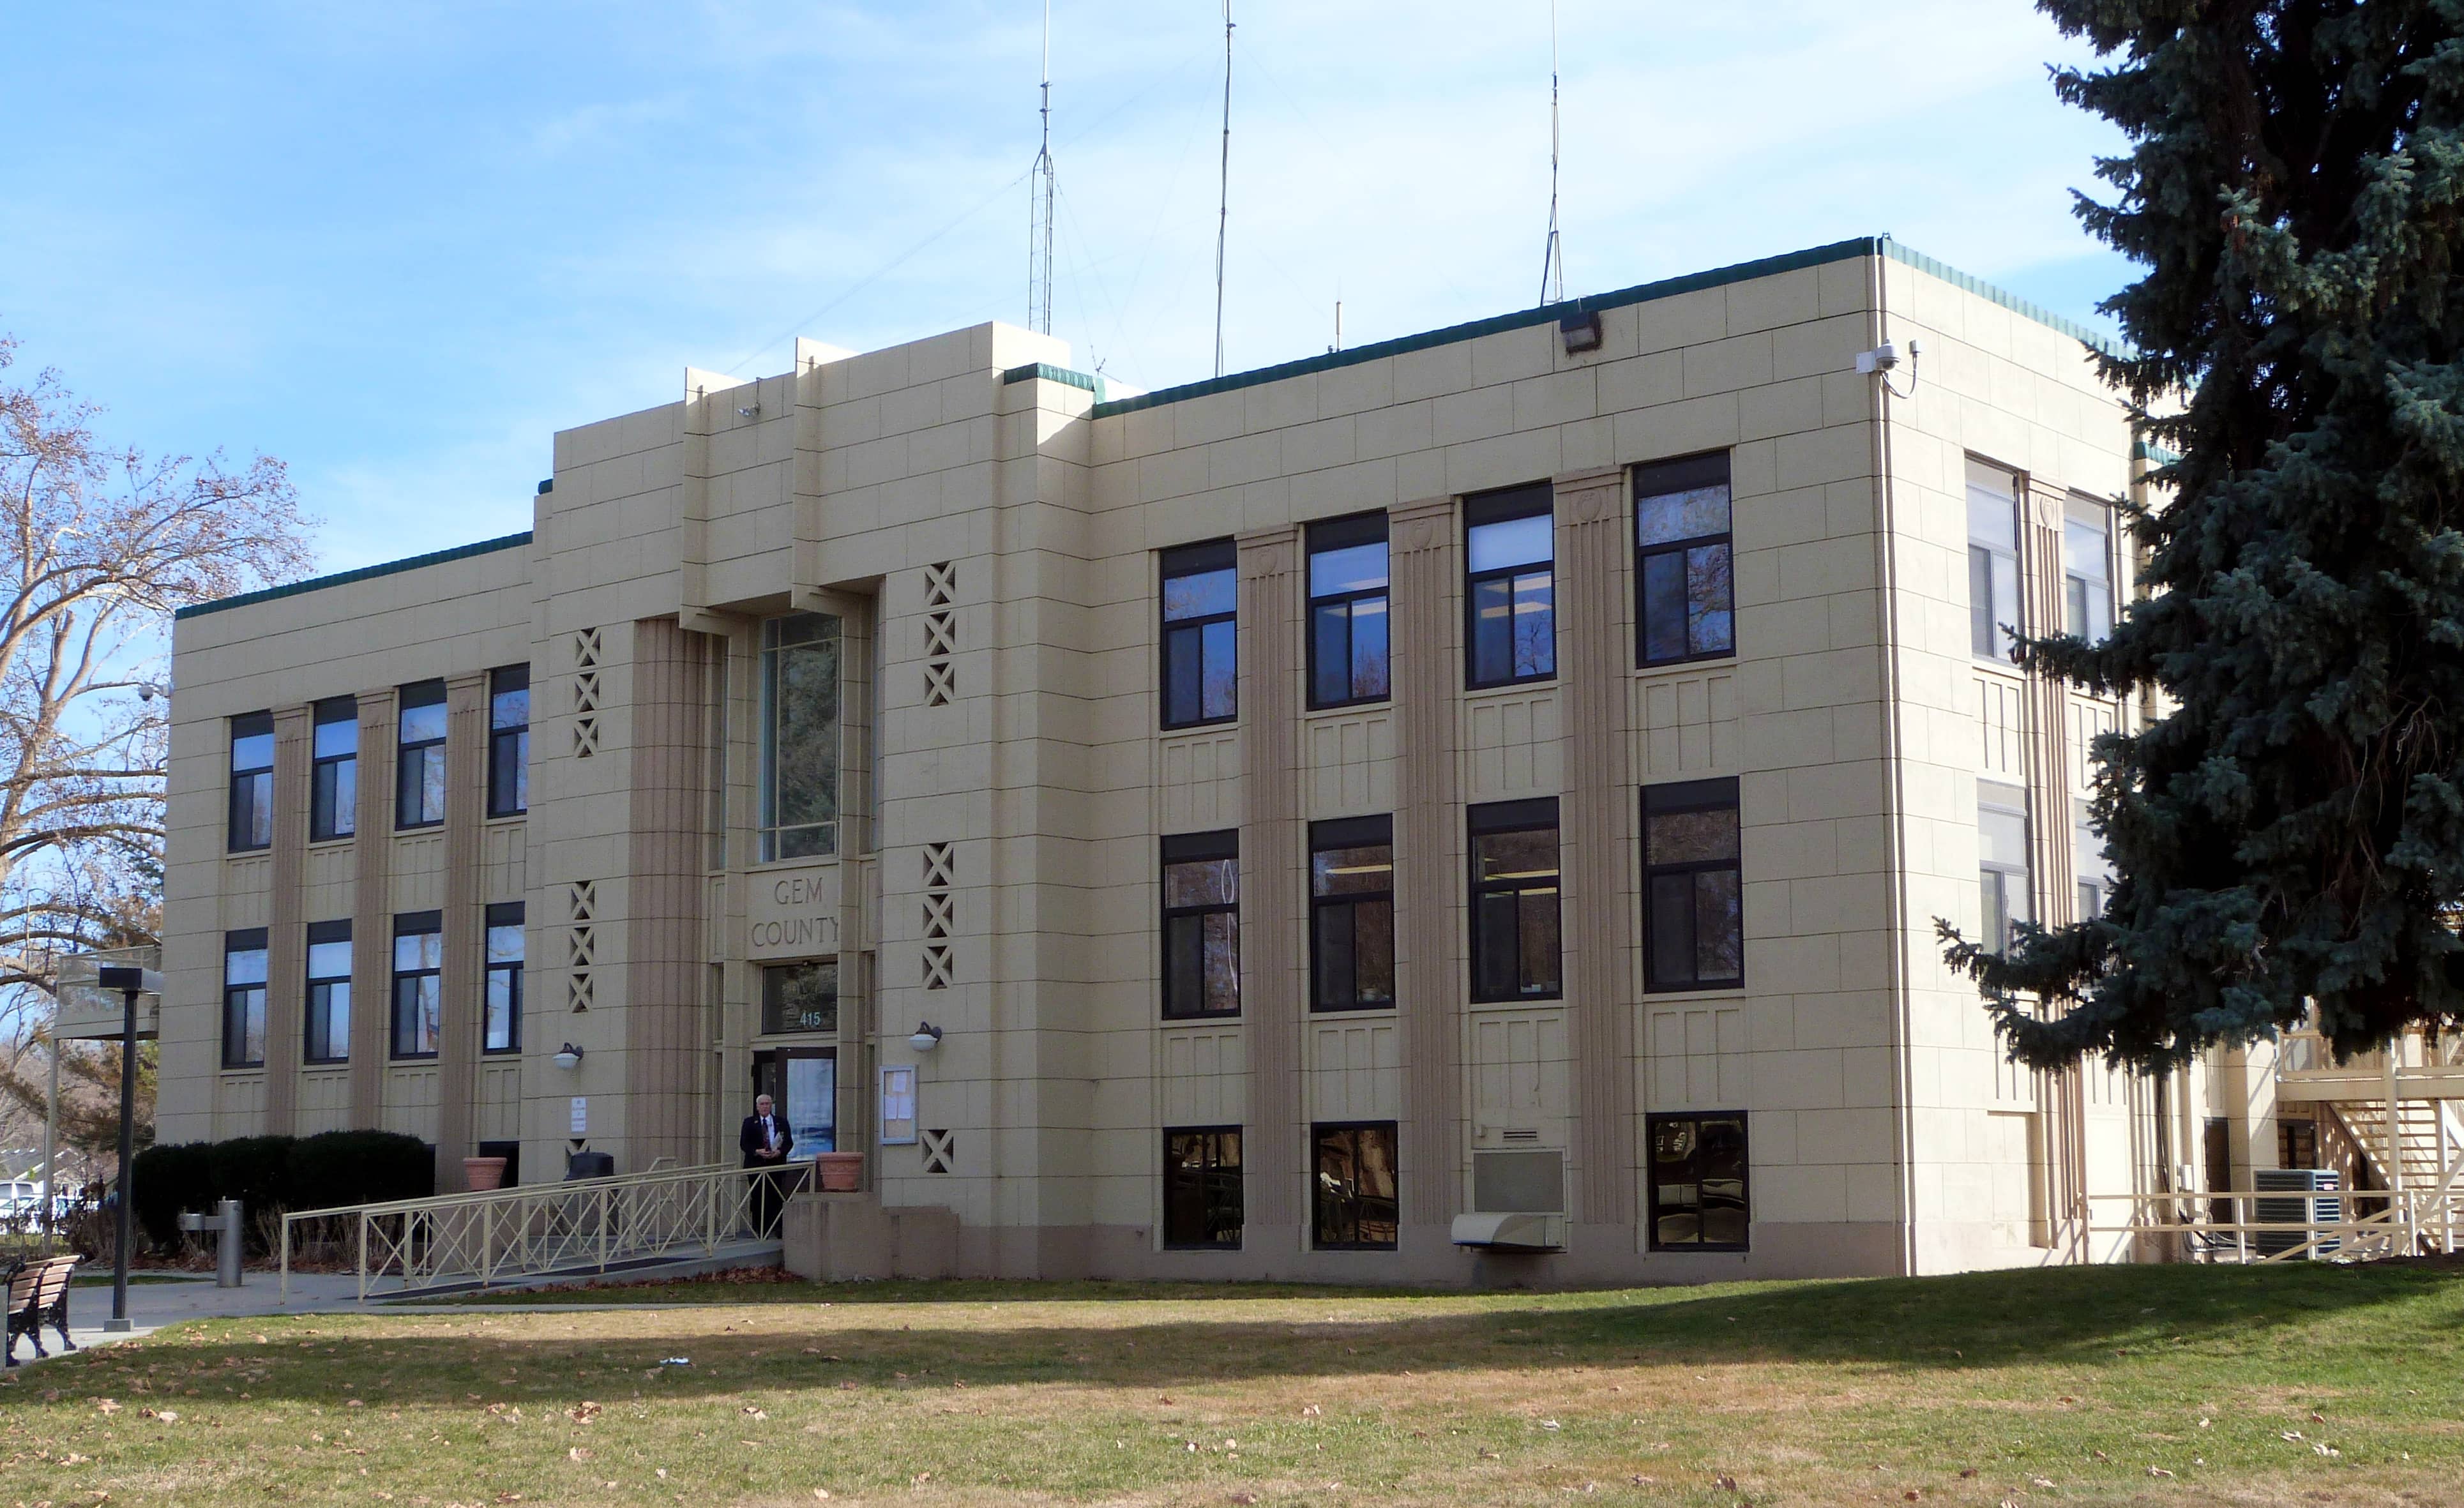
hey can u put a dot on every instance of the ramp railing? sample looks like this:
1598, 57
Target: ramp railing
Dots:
504, 1235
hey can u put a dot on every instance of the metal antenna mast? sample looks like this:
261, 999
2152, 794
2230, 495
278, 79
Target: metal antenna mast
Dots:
1039, 240
1552, 260
1223, 206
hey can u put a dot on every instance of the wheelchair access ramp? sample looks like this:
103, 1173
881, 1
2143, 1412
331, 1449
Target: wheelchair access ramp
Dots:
664, 1223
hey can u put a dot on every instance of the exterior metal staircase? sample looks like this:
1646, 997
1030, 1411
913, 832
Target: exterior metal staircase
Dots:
2400, 1111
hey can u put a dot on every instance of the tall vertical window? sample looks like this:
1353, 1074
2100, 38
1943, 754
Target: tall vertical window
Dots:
329, 991
1694, 932
334, 780
1699, 1183
419, 756
1683, 562
1352, 913
251, 781
1201, 1188
1509, 586
509, 741
244, 998
502, 1030
1347, 584
2089, 861
2002, 858
1355, 1207
1993, 612
418, 983
1202, 923
1202, 679
2087, 570
1514, 923
799, 736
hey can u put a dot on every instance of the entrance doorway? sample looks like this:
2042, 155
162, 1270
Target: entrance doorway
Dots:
804, 1083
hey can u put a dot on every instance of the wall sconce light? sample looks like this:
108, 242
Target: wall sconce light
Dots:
568, 1056
927, 1037
1581, 331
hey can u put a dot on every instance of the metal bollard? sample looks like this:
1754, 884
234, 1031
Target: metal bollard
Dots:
225, 1223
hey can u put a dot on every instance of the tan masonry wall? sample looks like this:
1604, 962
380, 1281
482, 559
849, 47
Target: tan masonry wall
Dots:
987, 537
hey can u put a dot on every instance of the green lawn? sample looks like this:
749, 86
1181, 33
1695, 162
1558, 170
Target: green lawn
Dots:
2295, 1384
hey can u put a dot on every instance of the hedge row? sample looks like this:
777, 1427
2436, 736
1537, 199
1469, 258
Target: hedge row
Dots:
266, 1173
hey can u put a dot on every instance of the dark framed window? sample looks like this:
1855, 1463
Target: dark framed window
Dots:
1352, 914
418, 983
1202, 677
419, 756
799, 736
501, 1032
2002, 868
251, 781
1699, 1195
1355, 1208
1683, 560
1347, 585
1201, 1188
1510, 586
2087, 570
1514, 919
509, 741
1994, 616
334, 779
800, 997
244, 998
1202, 923
329, 992
1693, 895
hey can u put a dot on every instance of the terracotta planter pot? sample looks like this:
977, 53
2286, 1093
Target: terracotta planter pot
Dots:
483, 1173
840, 1171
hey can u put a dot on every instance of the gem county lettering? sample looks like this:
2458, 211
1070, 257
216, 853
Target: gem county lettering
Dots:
796, 931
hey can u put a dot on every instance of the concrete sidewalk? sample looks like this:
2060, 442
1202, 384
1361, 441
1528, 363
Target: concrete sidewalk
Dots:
152, 1305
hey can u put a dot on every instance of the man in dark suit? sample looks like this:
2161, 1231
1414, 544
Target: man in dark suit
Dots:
765, 1140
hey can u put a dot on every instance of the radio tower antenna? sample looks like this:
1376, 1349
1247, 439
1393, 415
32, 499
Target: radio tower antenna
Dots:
1552, 260
1039, 238
1223, 203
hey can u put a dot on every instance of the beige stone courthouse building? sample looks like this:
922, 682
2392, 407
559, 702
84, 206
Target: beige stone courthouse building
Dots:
1468, 808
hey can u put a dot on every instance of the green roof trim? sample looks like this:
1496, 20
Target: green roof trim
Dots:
2150, 451
365, 573
2000, 295
1045, 371
1618, 298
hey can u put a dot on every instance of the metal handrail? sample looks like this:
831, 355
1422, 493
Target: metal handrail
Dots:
499, 1235
2395, 1229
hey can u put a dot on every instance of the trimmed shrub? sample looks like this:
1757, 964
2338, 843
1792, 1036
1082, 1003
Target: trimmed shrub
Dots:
165, 1180
339, 1168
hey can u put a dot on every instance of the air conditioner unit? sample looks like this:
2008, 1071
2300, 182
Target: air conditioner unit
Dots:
1520, 1202
1512, 1232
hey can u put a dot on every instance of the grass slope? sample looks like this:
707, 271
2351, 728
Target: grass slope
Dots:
2010, 1388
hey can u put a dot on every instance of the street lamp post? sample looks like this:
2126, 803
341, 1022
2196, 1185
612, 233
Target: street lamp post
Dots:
130, 983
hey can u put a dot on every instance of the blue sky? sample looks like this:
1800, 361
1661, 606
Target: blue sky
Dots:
399, 245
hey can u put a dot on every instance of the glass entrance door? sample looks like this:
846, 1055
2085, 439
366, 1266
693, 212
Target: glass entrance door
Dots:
804, 1081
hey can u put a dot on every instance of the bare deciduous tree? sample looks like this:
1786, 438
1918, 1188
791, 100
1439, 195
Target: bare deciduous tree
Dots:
98, 544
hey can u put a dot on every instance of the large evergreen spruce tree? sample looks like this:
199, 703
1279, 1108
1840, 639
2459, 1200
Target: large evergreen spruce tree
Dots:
2289, 829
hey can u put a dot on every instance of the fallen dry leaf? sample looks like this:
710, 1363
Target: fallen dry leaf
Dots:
584, 1412
579, 1452
1727, 1483
2158, 1470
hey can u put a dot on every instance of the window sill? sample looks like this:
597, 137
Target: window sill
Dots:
1505, 687
1558, 999
311, 1065
500, 819
1201, 1018
337, 840
1207, 1246
1174, 730
1332, 709
229, 1069
1657, 1250
1352, 1010
1699, 662
1694, 992
418, 828
248, 853
1353, 1246
760, 864
397, 1058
